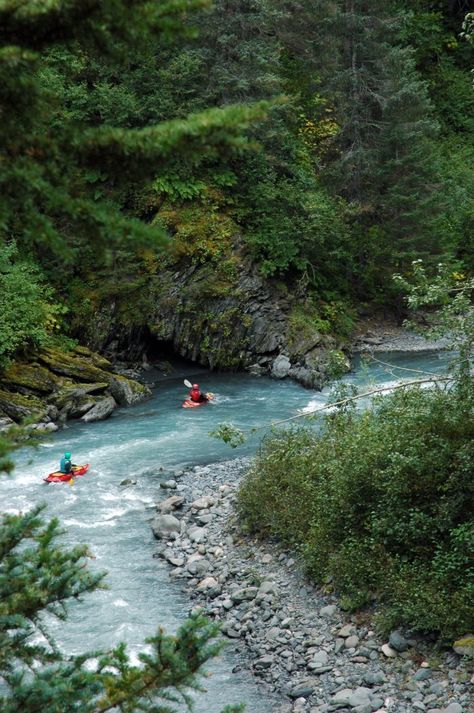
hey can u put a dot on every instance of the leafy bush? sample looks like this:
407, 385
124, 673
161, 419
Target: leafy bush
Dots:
27, 315
382, 502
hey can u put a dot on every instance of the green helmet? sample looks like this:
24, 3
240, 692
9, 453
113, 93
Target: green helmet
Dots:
67, 455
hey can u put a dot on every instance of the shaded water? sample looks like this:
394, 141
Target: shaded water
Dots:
114, 520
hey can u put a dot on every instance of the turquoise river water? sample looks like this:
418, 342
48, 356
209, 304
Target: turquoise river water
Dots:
146, 442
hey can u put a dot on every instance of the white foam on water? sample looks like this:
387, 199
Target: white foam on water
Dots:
90, 525
113, 514
120, 603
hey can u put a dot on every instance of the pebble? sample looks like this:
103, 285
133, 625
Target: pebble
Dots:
292, 638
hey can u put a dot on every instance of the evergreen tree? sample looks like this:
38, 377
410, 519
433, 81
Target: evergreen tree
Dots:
47, 203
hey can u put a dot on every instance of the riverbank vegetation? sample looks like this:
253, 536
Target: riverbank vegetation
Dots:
379, 501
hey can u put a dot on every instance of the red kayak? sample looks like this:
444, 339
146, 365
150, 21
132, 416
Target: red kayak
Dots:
59, 477
194, 404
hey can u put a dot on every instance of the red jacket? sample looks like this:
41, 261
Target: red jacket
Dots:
195, 395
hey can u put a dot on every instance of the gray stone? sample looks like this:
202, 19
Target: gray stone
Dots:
203, 503
101, 410
341, 698
165, 525
352, 642
281, 367
388, 651
207, 583
170, 504
169, 484
398, 642
245, 594
453, 708
346, 631
374, 678
197, 534
127, 392
360, 697
320, 659
266, 661
329, 612
303, 688
422, 674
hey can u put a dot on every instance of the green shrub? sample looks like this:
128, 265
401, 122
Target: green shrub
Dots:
27, 315
382, 502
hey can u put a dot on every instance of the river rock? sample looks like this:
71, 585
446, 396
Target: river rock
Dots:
207, 583
203, 503
101, 410
172, 503
388, 651
245, 594
281, 367
197, 534
453, 708
18, 406
465, 645
127, 392
165, 525
398, 642
303, 688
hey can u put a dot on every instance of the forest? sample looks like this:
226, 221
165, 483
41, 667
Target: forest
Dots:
329, 145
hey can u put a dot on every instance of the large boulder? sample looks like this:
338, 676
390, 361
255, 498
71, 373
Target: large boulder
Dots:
72, 365
127, 392
165, 525
18, 406
100, 410
31, 377
465, 646
281, 367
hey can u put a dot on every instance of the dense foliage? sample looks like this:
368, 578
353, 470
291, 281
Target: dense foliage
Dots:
381, 503
364, 163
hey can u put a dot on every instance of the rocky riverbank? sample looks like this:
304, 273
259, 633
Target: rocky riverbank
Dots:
295, 639
56, 386
386, 336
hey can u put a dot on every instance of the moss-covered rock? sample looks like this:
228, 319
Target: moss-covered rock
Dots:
465, 646
72, 365
96, 359
127, 392
18, 406
31, 377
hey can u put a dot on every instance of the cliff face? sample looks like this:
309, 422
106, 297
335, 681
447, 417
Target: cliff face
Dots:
238, 321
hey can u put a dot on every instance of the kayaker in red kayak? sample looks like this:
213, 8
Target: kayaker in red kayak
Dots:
196, 395
65, 465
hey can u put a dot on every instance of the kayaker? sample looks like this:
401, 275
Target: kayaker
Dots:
65, 465
196, 395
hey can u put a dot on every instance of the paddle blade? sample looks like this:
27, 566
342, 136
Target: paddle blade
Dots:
188, 384
71, 482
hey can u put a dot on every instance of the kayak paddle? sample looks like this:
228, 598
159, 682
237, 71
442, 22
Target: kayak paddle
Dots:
188, 384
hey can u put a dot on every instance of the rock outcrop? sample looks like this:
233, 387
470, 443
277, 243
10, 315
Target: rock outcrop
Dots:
57, 386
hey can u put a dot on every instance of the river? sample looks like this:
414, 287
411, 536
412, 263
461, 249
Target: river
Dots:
148, 443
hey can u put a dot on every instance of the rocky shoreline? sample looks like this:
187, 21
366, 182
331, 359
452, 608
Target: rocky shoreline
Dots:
292, 637
56, 386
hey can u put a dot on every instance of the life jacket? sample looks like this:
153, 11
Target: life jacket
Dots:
65, 465
195, 395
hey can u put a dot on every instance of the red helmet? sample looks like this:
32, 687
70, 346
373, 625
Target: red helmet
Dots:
195, 387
